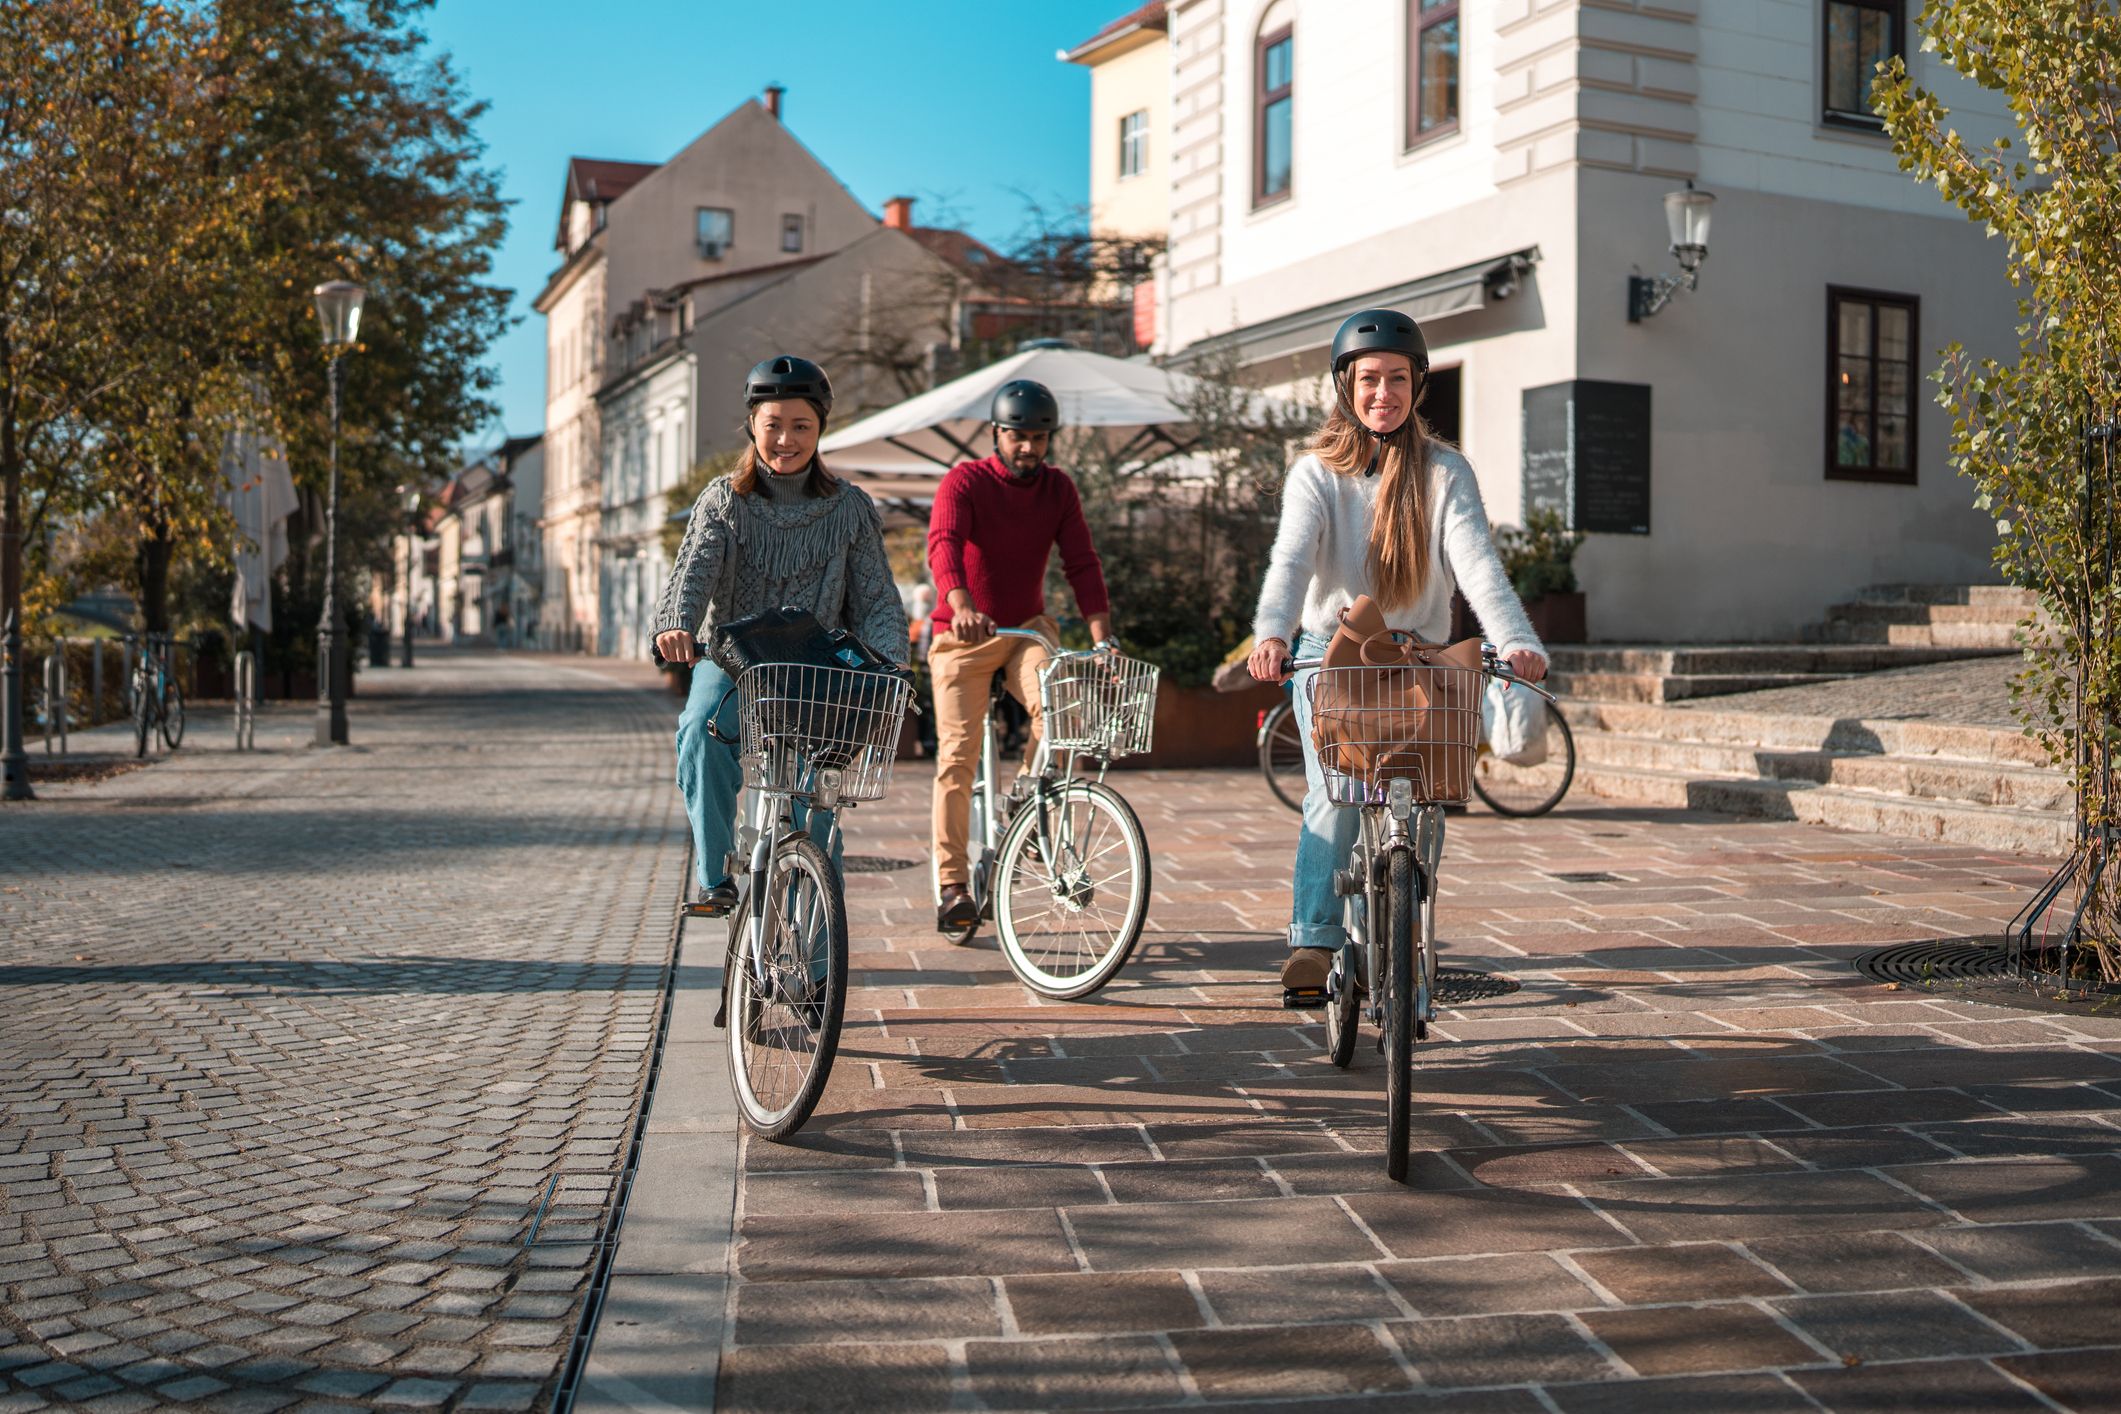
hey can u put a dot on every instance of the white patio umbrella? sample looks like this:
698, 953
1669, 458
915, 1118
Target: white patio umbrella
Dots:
1137, 406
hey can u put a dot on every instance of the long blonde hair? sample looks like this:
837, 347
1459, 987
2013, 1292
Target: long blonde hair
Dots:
1399, 522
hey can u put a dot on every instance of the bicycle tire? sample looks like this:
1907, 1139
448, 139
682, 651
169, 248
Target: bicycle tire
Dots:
1065, 971
1400, 931
173, 717
776, 1096
1524, 803
1281, 755
143, 718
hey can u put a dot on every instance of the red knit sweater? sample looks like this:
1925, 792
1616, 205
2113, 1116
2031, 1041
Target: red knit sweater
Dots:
991, 536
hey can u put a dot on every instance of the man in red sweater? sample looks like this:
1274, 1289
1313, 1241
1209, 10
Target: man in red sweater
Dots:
994, 526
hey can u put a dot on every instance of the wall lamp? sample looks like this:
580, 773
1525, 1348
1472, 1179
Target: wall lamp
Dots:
1687, 214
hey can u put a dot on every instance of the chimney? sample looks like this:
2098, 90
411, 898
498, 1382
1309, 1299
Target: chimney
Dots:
773, 100
898, 213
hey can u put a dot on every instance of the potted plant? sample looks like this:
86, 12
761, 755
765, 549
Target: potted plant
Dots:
1540, 561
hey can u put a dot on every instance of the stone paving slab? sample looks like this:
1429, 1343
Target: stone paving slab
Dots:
1695, 1162
317, 1068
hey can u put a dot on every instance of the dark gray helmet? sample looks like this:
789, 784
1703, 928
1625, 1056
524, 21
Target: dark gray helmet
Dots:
1380, 331
1025, 406
788, 377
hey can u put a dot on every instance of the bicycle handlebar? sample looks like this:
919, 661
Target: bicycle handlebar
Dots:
1052, 645
1491, 664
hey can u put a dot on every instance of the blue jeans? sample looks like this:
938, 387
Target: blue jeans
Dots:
709, 776
1327, 836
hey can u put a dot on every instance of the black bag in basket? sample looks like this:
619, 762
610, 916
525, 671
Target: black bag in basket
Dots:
832, 701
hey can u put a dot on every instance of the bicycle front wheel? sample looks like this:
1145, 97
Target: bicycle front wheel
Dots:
173, 718
143, 719
1400, 931
1281, 756
786, 1005
1071, 889
1529, 790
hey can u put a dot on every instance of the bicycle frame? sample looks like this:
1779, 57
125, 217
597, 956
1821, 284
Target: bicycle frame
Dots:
769, 818
1045, 776
1397, 824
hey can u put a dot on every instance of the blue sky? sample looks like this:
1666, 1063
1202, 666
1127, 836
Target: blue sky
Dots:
959, 103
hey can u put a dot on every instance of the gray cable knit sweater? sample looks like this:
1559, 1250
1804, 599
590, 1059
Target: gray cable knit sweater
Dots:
742, 554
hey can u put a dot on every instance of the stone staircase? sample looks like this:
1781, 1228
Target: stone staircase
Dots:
1889, 626
1643, 734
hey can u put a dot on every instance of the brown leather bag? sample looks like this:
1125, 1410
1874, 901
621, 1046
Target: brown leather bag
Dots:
1414, 713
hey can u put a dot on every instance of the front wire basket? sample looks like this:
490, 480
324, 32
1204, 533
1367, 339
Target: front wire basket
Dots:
1372, 726
800, 720
1098, 704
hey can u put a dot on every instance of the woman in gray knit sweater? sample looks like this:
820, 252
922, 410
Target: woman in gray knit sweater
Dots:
779, 530
1377, 507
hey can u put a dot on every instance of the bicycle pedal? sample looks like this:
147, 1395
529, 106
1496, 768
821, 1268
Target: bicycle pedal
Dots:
701, 908
1303, 998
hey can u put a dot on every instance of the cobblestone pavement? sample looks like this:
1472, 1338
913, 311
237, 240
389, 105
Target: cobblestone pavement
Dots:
317, 1068
1696, 1163
1974, 692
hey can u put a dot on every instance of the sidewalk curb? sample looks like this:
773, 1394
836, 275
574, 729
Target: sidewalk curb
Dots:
656, 1338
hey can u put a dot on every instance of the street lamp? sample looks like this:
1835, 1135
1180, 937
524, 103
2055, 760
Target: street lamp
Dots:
412, 524
339, 311
1686, 214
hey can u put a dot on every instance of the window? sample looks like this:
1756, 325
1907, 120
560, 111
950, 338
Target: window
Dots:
1134, 143
1870, 430
1432, 69
1859, 35
717, 228
1273, 160
791, 235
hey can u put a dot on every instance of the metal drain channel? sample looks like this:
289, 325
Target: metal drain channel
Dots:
1950, 960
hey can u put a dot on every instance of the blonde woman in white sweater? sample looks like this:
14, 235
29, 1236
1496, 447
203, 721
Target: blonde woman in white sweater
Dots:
1375, 506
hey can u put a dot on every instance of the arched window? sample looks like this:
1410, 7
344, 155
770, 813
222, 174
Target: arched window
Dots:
1274, 105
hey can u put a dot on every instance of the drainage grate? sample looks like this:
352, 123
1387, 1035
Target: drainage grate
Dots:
1948, 960
1594, 877
1462, 984
877, 864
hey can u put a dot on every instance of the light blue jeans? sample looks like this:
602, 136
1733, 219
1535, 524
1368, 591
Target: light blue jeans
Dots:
709, 776
1327, 836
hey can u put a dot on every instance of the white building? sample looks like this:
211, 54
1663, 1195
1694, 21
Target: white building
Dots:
1498, 171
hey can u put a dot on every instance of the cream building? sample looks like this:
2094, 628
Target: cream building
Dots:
1757, 449
742, 198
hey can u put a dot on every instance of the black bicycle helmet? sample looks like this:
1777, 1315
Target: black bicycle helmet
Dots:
1025, 406
788, 377
1380, 331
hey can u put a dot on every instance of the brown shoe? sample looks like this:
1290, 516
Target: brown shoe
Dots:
1306, 969
955, 911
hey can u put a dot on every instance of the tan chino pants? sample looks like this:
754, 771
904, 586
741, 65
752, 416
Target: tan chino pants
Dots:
961, 674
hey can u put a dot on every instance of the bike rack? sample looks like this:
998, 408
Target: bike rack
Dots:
246, 701
55, 697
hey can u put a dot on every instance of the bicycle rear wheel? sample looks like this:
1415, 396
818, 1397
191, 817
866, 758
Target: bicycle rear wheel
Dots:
173, 717
143, 717
1529, 790
786, 1008
1400, 913
1281, 755
1071, 889
1343, 1009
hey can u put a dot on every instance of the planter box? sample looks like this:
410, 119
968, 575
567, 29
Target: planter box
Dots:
1558, 618
1198, 726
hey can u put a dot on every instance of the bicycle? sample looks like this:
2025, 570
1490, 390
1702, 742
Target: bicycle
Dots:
1390, 884
825, 738
157, 701
1066, 924
1506, 789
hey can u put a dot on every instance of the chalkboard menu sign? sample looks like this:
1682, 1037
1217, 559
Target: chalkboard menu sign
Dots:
1587, 454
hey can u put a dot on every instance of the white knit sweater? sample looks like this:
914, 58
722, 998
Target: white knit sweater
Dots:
1321, 553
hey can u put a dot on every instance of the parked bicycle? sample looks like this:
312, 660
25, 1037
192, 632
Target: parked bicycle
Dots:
1062, 865
1398, 744
814, 741
1504, 787
157, 702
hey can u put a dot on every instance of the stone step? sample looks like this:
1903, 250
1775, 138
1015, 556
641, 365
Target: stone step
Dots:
1774, 731
1836, 807
2000, 595
1741, 659
1917, 777
1951, 640
1676, 687
1859, 612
